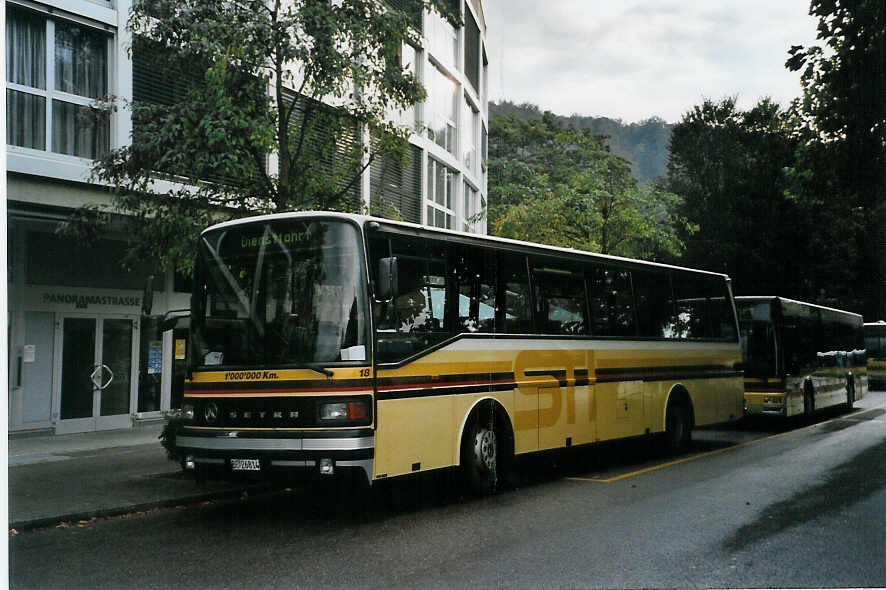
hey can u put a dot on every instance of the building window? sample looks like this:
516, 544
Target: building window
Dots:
442, 40
395, 186
441, 188
471, 134
409, 61
53, 110
471, 206
484, 92
472, 50
484, 145
442, 103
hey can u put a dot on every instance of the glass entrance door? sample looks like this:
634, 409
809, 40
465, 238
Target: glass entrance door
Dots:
97, 359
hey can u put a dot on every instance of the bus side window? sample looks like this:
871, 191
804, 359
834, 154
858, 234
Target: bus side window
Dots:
419, 315
655, 304
559, 299
474, 275
512, 302
720, 317
692, 306
611, 302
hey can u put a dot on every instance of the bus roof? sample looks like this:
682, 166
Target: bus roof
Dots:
739, 298
452, 234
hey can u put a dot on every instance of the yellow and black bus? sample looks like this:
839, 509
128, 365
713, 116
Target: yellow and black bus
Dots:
875, 344
326, 342
799, 357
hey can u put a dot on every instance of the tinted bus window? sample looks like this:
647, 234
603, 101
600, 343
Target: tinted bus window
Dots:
418, 317
721, 320
692, 306
474, 270
514, 295
559, 299
757, 338
655, 304
611, 302
799, 328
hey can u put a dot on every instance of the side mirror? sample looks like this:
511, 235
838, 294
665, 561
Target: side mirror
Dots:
172, 321
148, 296
387, 284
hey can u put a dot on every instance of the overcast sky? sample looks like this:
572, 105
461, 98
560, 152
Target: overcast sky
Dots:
633, 59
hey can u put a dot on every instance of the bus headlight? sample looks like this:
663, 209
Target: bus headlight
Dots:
344, 411
188, 412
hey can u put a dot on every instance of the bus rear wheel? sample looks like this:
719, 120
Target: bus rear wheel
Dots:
678, 428
850, 392
482, 455
808, 399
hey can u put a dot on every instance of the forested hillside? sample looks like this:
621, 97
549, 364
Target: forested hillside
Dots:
644, 144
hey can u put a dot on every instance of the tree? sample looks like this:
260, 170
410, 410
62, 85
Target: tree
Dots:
298, 81
555, 184
841, 164
729, 166
644, 144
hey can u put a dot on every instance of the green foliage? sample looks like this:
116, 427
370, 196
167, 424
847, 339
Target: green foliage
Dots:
644, 144
729, 166
171, 428
252, 79
839, 175
555, 184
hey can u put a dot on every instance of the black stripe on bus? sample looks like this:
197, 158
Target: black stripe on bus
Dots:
448, 378
615, 376
324, 384
436, 391
612, 375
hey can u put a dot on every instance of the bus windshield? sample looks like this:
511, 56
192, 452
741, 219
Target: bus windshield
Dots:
281, 293
757, 338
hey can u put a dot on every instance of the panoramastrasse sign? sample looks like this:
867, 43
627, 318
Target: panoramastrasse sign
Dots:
47, 298
84, 301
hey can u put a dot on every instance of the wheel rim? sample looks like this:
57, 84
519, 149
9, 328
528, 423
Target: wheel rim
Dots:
486, 449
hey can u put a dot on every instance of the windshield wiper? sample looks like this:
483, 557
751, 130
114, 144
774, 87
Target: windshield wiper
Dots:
321, 370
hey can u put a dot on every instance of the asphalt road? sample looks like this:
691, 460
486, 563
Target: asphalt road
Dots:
762, 504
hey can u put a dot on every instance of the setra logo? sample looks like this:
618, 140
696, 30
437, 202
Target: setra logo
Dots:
210, 413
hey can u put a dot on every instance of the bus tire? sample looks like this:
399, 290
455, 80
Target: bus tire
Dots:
678, 427
484, 452
808, 399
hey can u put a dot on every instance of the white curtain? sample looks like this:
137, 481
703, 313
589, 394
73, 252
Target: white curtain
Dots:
25, 120
25, 65
25, 48
79, 130
81, 60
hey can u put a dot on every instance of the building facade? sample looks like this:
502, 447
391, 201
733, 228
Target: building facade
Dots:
80, 357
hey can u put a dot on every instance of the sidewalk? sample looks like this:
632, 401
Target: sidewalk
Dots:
75, 477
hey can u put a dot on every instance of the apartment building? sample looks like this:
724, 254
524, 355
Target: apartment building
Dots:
78, 360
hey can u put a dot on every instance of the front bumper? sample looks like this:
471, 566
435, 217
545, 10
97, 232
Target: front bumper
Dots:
276, 451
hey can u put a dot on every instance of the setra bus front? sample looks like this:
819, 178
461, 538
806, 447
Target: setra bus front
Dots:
280, 375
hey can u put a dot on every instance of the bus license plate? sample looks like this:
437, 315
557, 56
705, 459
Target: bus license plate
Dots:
245, 465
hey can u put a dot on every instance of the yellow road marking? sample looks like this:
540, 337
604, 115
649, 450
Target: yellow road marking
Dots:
677, 461
857, 412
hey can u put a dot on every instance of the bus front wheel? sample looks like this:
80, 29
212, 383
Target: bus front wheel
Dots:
481, 455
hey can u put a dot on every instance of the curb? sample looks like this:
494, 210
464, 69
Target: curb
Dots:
46, 521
